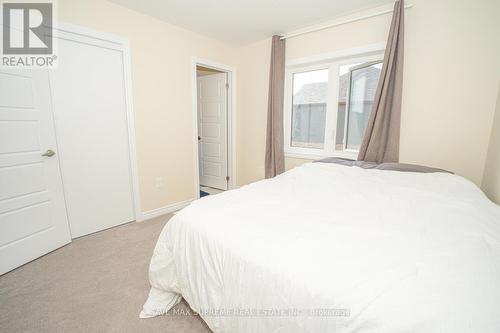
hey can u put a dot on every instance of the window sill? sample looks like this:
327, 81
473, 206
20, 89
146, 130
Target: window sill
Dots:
309, 156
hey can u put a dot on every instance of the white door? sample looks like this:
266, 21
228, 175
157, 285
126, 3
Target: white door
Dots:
91, 126
212, 130
32, 214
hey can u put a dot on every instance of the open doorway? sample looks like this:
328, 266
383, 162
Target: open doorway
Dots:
213, 129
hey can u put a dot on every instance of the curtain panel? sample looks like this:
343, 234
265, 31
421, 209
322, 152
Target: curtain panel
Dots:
381, 140
275, 154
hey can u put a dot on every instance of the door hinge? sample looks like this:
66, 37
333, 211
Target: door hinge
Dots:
227, 178
227, 85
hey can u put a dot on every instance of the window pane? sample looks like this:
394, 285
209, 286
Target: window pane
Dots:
364, 81
309, 109
341, 116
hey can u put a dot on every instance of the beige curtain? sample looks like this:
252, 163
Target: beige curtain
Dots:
381, 141
275, 155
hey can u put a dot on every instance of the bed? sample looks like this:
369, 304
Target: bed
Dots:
332, 248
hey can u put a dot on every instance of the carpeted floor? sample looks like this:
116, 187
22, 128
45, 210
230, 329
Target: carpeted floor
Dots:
97, 283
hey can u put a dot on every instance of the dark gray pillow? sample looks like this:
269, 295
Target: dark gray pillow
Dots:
403, 167
348, 162
337, 160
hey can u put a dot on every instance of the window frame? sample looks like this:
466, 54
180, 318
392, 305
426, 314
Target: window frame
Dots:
333, 64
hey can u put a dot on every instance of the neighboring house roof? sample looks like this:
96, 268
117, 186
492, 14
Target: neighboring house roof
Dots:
311, 93
317, 92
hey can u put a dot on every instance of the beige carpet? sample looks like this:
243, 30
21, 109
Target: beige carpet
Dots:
97, 283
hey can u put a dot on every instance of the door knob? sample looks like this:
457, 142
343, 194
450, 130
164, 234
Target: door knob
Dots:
199, 138
49, 153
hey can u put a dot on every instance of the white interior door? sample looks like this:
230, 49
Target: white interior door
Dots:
33, 218
91, 126
212, 130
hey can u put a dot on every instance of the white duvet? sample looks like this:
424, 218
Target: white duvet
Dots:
330, 248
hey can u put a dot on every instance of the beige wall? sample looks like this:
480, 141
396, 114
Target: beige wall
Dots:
491, 180
252, 90
161, 77
452, 67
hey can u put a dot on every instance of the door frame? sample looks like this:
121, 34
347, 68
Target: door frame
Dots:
103, 39
231, 119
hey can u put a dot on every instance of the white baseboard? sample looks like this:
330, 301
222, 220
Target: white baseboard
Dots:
163, 210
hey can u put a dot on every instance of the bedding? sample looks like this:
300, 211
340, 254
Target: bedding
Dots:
329, 248
403, 167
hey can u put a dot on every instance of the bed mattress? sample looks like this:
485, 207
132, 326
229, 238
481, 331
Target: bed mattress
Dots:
331, 248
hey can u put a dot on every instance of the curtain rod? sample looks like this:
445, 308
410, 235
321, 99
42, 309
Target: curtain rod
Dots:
335, 24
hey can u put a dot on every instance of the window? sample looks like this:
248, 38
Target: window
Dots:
309, 109
328, 106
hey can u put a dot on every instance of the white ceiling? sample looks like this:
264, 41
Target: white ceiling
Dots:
241, 22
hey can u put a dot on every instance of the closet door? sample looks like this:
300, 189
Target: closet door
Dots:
32, 213
91, 128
